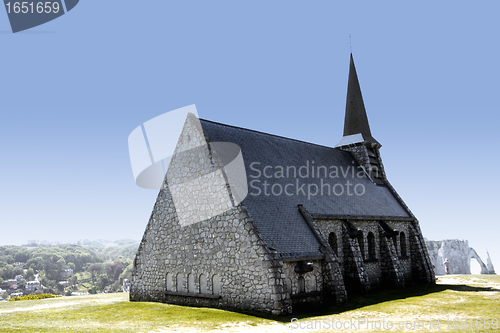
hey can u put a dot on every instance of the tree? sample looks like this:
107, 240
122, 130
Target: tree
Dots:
108, 268
9, 259
72, 266
52, 271
127, 273
102, 281
47, 282
7, 272
22, 256
61, 264
94, 269
30, 274
74, 280
36, 263
18, 271
118, 270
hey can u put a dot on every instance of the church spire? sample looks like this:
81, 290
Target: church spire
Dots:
356, 121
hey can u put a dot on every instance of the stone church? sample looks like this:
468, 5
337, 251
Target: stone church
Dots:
315, 225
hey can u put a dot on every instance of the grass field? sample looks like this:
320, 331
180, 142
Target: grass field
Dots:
460, 296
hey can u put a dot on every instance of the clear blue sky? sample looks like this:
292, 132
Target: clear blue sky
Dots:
73, 89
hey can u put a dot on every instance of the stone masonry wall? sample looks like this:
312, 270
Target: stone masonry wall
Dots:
371, 266
328, 226
392, 274
355, 277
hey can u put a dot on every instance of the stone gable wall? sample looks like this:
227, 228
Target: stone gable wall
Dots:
226, 247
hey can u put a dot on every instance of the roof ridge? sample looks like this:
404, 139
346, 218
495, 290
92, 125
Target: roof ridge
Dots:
269, 134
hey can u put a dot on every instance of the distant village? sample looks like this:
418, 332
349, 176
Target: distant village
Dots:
65, 269
18, 286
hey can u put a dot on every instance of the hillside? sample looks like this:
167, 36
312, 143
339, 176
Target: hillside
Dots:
472, 298
64, 269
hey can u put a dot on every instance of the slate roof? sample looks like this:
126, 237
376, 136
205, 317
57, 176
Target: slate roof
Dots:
277, 216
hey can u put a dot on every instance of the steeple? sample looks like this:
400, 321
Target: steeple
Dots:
358, 138
356, 126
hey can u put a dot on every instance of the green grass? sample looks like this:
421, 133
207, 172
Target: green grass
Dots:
110, 313
474, 297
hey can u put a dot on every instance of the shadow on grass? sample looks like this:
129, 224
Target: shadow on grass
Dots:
374, 297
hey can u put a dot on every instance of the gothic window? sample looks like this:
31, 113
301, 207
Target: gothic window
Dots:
169, 284
311, 283
402, 240
361, 242
180, 282
216, 285
203, 284
191, 283
301, 285
371, 246
332, 240
288, 285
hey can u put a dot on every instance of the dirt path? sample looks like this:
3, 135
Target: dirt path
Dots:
55, 305
234, 328
458, 279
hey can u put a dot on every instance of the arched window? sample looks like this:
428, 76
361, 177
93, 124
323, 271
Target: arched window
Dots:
301, 285
288, 285
311, 283
361, 241
216, 285
180, 282
169, 284
371, 246
191, 283
203, 284
332, 240
402, 240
